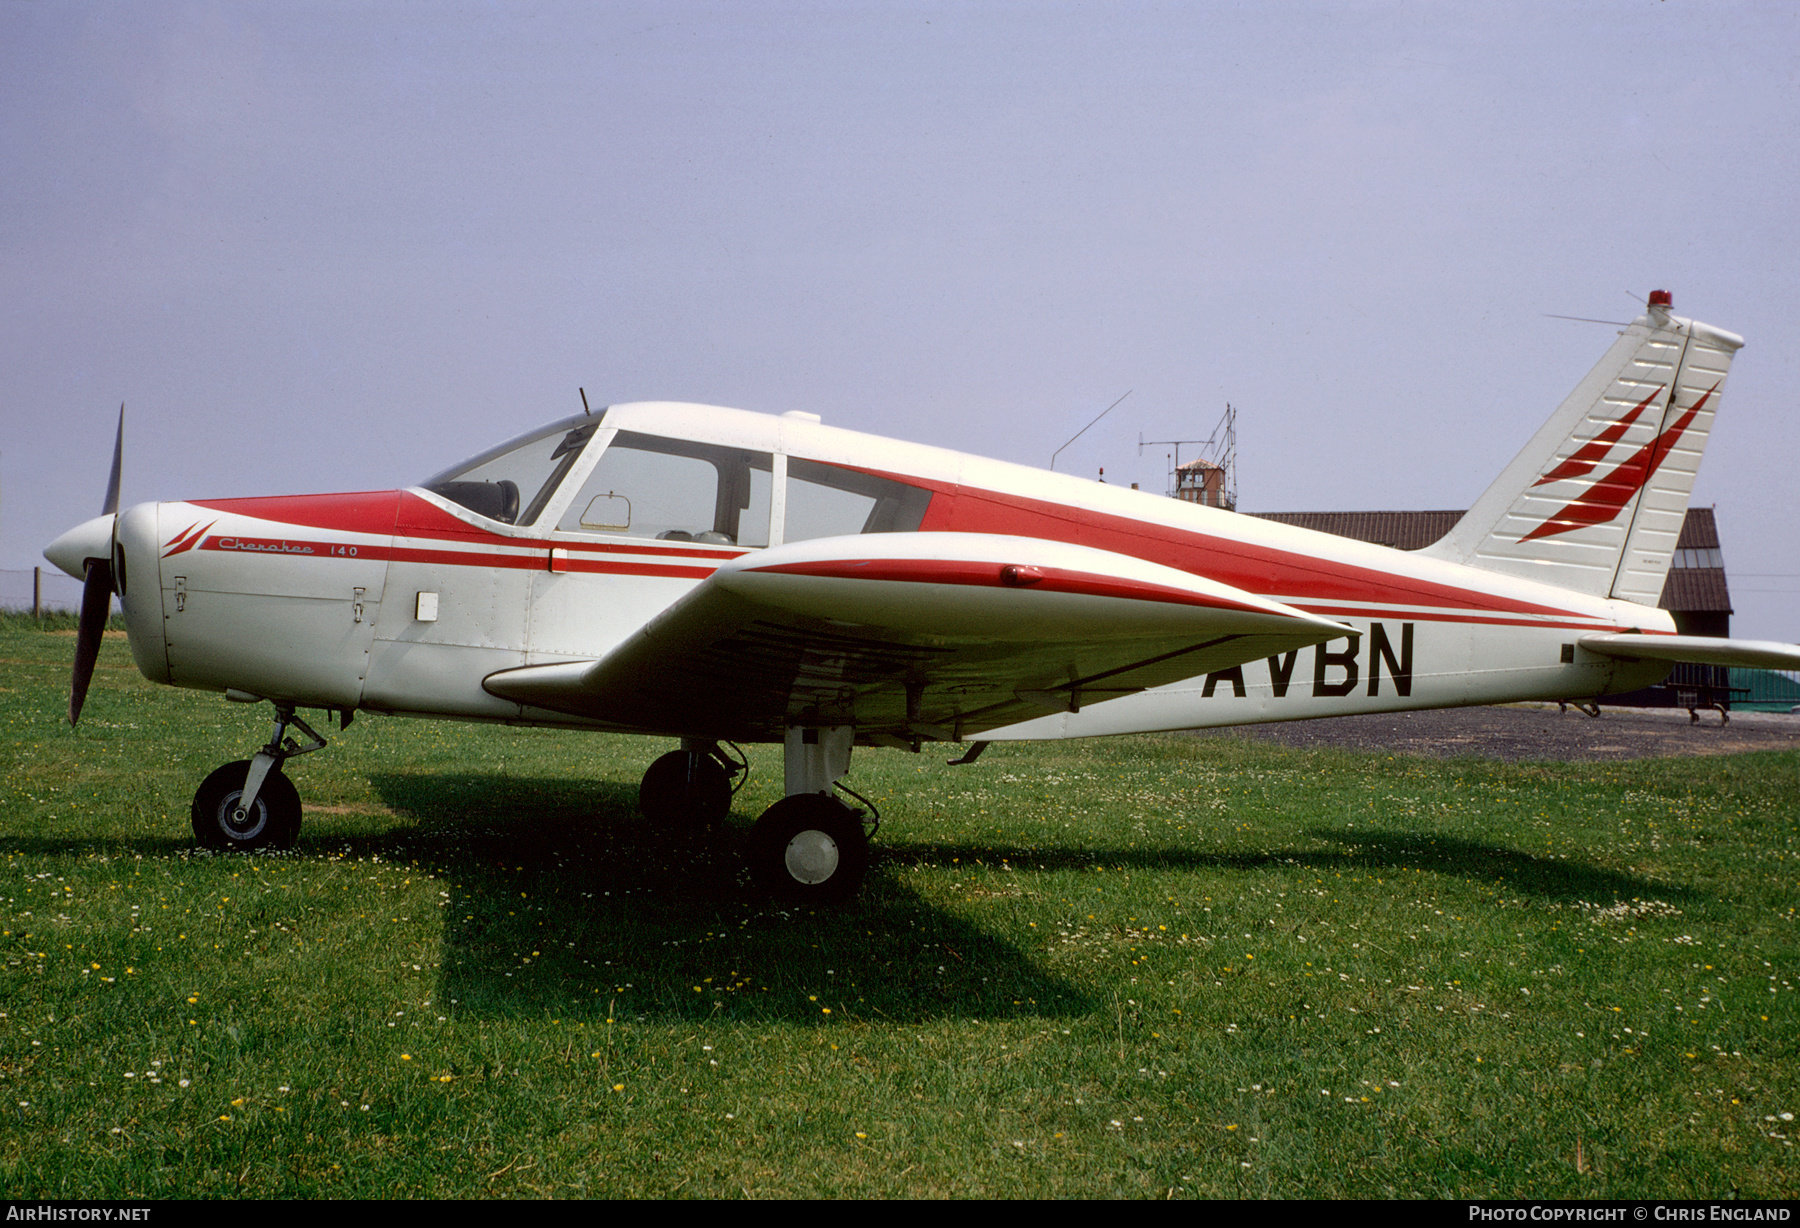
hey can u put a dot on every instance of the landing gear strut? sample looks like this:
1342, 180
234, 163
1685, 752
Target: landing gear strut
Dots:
251, 804
809, 847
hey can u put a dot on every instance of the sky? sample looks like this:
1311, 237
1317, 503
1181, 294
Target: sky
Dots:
341, 246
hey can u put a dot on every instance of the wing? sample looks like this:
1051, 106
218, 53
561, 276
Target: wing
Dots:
1698, 649
911, 636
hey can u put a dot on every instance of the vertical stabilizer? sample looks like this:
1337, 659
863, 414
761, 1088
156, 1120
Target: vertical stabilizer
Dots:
1595, 501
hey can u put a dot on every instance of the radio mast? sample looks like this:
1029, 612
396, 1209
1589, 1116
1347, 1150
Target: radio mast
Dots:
1210, 480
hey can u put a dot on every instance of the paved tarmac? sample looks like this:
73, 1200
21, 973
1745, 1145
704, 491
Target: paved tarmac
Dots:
1522, 732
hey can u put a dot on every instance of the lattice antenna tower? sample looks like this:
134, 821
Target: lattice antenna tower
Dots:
1211, 479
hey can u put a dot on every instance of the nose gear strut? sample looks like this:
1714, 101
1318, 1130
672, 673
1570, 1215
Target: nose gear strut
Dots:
280, 749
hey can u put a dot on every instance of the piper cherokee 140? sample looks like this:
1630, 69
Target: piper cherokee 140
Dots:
717, 576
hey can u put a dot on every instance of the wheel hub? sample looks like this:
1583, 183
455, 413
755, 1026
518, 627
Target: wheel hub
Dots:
811, 857
244, 825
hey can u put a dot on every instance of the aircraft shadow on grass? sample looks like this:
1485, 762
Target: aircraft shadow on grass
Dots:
1547, 878
563, 897
1367, 851
565, 900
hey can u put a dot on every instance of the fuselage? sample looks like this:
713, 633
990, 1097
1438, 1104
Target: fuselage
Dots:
403, 601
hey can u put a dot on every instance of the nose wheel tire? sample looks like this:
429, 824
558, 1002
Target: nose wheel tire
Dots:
684, 789
271, 822
809, 848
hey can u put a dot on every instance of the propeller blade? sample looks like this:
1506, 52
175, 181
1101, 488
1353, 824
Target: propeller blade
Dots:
97, 589
96, 604
112, 486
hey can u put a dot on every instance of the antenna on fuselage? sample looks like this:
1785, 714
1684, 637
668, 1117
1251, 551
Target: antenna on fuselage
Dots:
1084, 430
584, 404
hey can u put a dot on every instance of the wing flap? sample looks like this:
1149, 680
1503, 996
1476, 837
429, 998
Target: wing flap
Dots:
913, 635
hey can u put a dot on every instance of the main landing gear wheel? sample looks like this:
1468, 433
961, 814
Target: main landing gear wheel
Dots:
809, 848
685, 789
272, 822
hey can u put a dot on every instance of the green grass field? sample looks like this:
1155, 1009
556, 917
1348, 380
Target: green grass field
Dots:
1146, 967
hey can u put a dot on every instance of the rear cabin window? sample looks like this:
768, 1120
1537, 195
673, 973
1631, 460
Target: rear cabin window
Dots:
826, 501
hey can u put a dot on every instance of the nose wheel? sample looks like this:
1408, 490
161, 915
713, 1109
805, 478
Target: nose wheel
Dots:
251, 804
223, 822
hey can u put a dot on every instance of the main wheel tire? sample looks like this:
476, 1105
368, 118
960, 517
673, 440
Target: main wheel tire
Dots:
809, 848
685, 789
273, 822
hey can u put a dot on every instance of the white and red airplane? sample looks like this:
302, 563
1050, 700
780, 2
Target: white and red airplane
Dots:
720, 576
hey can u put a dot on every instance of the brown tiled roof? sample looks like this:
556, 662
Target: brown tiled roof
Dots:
1696, 589
1688, 589
1699, 531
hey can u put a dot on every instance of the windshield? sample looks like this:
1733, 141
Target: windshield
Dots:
513, 482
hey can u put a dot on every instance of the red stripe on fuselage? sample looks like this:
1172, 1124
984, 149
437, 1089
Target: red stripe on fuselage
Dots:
1263, 570
289, 548
540, 562
1440, 616
365, 511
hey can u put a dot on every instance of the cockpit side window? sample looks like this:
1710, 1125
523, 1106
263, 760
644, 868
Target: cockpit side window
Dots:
829, 501
513, 482
675, 490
